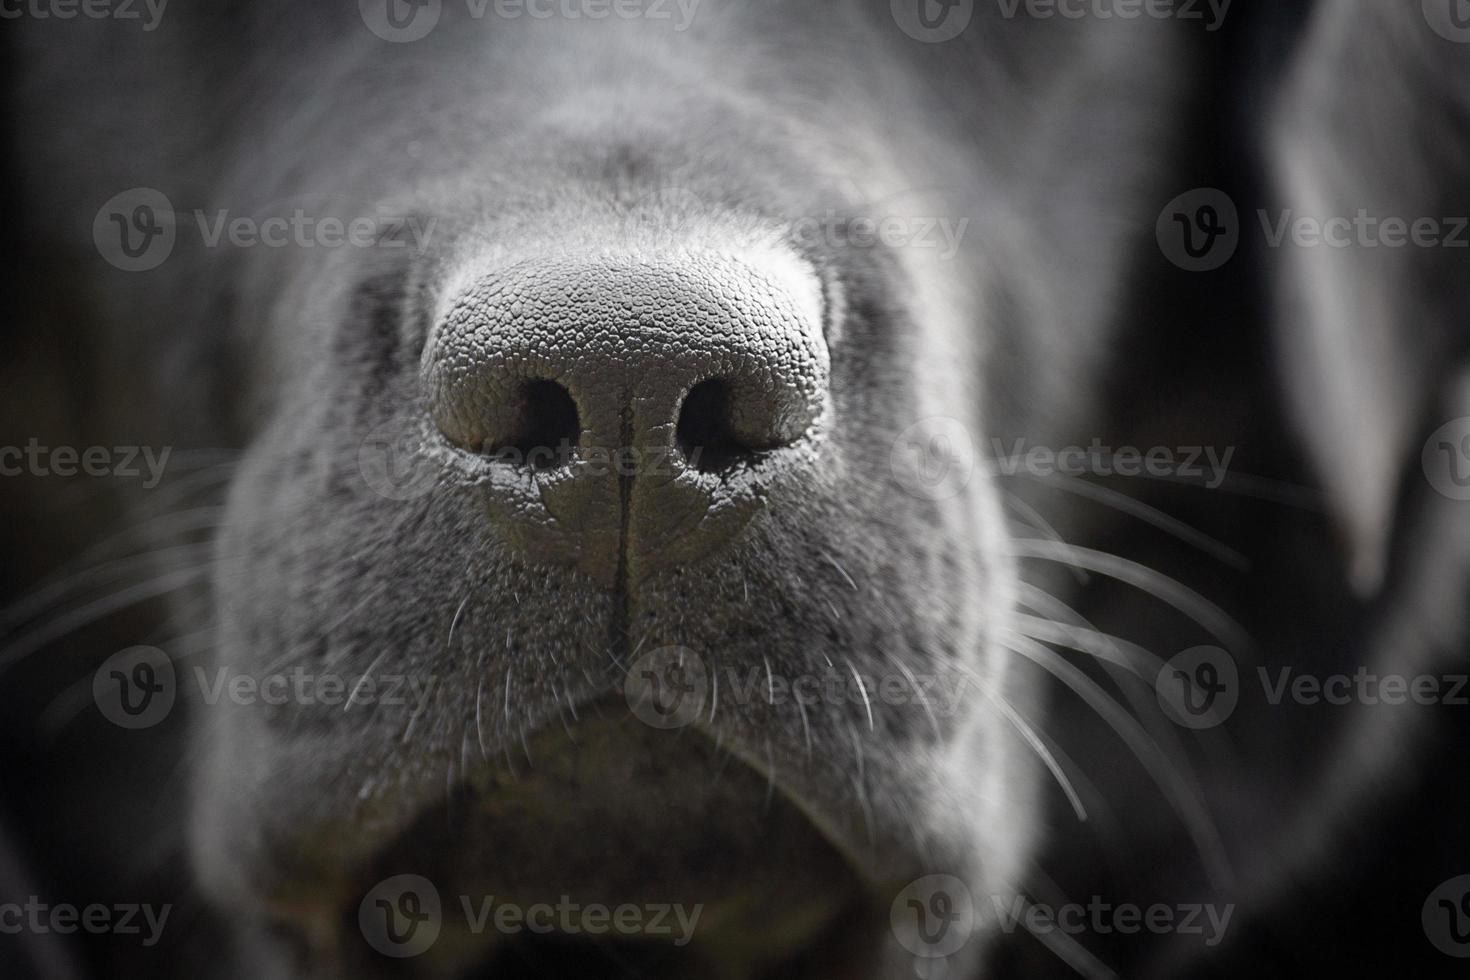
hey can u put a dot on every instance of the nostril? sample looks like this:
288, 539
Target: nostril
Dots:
546, 426
704, 433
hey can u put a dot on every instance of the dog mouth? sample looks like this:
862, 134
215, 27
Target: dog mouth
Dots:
605, 848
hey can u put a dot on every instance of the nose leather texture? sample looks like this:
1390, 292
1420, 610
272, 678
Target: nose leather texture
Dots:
628, 335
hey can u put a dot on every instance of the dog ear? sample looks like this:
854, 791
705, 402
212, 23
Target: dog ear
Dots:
1373, 126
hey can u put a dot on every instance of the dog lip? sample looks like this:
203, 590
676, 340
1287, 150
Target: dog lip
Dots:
613, 813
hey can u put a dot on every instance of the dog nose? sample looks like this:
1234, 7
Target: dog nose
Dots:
628, 406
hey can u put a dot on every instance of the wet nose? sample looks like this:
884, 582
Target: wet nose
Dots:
627, 407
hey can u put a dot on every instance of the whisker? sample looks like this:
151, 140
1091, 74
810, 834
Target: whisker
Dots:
365, 677
908, 674
561, 715
1159, 767
1113, 652
1154, 583
1147, 513
66, 707
1255, 487
454, 621
1070, 951
37, 601
806, 729
863, 689
1135, 659
1042, 752
479, 724
1032, 517
714, 701
87, 614
840, 571
860, 782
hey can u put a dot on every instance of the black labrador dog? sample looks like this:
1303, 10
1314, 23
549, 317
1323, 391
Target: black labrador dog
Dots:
668, 488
